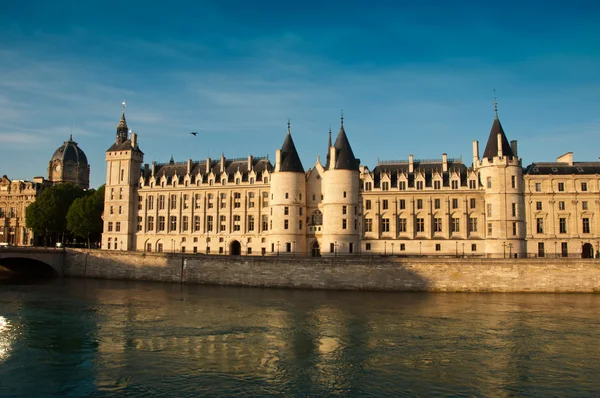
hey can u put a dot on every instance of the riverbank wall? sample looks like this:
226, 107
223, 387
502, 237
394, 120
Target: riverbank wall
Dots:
356, 273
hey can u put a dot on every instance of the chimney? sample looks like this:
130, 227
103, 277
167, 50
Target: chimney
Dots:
332, 157
207, 165
249, 162
444, 162
500, 154
566, 158
513, 146
189, 166
133, 140
277, 160
411, 165
146, 169
475, 152
222, 162
153, 168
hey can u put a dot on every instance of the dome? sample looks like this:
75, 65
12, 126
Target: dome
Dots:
70, 152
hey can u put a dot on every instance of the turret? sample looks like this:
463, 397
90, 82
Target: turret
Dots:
287, 232
501, 176
341, 183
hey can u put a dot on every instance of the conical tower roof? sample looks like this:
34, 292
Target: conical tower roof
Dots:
491, 149
122, 129
290, 161
344, 157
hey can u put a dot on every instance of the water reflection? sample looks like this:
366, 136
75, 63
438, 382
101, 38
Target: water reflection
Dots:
136, 339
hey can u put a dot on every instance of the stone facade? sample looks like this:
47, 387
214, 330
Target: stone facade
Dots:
15, 196
69, 165
248, 206
349, 273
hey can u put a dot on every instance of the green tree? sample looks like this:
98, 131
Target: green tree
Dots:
84, 218
48, 214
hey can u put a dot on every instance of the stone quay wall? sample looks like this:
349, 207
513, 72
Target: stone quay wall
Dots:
385, 273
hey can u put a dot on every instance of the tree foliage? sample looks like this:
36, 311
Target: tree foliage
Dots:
84, 218
49, 211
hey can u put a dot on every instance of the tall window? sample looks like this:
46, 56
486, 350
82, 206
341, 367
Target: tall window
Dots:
561, 187
514, 228
222, 223
209, 223
455, 203
402, 204
237, 200
514, 209
161, 202
419, 185
513, 181
196, 223
455, 224
454, 184
118, 226
385, 186
150, 202
489, 209
419, 204
539, 225
403, 185
250, 223
344, 223
367, 204
368, 224
420, 225
237, 222
472, 225
161, 223
185, 223
586, 225
437, 225
385, 225
584, 187
436, 203
265, 223
561, 205
562, 222
402, 225
384, 204
538, 205
173, 202
173, 223
489, 182
437, 184
150, 223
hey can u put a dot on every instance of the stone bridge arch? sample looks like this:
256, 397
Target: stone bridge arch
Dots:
33, 260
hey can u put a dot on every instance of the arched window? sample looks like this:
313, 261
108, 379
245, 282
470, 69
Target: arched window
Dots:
317, 218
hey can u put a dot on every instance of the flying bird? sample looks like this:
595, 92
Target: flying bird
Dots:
194, 133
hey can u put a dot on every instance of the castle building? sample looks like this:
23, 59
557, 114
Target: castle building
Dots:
248, 206
67, 165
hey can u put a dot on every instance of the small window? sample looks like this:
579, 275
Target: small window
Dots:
367, 247
473, 247
402, 247
538, 205
584, 187
561, 187
438, 247
538, 187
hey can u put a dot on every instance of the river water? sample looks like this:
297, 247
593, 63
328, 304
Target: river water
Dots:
112, 338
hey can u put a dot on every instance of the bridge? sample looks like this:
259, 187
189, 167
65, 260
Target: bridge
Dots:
33, 260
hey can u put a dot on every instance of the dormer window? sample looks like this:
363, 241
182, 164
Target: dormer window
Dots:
419, 185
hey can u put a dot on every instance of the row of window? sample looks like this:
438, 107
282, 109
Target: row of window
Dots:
560, 187
437, 204
211, 182
561, 205
420, 225
419, 185
402, 246
197, 202
562, 225
197, 223
10, 213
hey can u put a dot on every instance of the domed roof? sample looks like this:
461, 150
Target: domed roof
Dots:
70, 152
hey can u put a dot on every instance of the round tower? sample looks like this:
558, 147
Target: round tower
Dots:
501, 175
69, 165
287, 229
341, 182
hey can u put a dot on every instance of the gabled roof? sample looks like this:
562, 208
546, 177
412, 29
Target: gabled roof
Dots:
344, 157
491, 149
290, 161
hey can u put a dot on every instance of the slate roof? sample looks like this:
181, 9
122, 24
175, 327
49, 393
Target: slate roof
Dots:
169, 170
429, 168
344, 157
290, 161
557, 168
491, 149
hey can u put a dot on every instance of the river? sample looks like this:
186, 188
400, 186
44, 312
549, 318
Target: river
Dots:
77, 337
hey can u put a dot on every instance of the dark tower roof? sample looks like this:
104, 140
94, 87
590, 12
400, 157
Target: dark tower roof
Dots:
70, 152
491, 149
290, 161
328, 147
122, 129
344, 157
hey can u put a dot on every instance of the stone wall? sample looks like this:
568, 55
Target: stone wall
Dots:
408, 274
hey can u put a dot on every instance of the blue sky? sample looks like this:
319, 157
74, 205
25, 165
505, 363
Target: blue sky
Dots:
412, 77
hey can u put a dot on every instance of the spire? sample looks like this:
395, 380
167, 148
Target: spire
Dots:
344, 156
289, 126
495, 105
122, 128
290, 161
70, 137
342, 118
172, 161
328, 148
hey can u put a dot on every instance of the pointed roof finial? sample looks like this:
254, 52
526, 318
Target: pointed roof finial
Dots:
289, 125
124, 103
495, 105
342, 117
